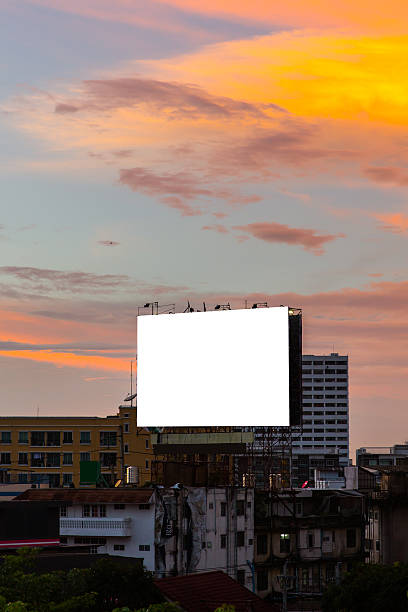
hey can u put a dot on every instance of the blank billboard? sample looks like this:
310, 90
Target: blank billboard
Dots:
225, 367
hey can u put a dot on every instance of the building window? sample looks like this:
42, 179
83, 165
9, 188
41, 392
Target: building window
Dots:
240, 538
38, 438
351, 538
67, 437
126, 448
23, 437
85, 437
119, 547
85, 456
107, 459
241, 577
223, 509
223, 543
86, 510
63, 511
5, 437
284, 546
310, 540
23, 478
144, 547
126, 430
377, 545
211, 506
147, 464
53, 438
53, 459
37, 459
67, 459
262, 544
144, 506
22, 458
108, 438
262, 580
67, 479
147, 443
119, 506
240, 507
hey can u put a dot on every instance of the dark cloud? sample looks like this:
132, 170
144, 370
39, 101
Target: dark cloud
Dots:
42, 279
176, 99
309, 239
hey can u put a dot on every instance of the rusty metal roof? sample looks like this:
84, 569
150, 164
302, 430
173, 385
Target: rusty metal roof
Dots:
205, 591
88, 496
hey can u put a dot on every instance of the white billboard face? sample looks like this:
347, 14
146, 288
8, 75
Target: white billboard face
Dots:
228, 367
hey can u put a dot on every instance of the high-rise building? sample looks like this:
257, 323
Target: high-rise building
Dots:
324, 443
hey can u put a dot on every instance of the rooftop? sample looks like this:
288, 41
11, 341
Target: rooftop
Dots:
88, 496
205, 591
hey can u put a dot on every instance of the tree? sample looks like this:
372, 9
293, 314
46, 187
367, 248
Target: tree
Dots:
370, 588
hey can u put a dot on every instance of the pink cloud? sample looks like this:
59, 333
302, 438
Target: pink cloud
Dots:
309, 239
176, 100
388, 175
217, 227
178, 189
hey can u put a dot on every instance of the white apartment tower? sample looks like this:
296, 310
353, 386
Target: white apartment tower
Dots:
325, 412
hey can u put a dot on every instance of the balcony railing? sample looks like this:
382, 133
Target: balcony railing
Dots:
95, 527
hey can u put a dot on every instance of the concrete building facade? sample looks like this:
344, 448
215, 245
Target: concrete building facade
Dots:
324, 443
176, 530
310, 536
49, 449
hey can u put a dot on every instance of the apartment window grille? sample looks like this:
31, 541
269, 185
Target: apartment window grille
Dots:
67, 459
85, 437
38, 459
38, 438
67, 437
67, 479
23, 437
107, 459
53, 438
5, 458
22, 458
53, 459
108, 438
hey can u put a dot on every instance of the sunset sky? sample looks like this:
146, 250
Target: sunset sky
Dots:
210, 151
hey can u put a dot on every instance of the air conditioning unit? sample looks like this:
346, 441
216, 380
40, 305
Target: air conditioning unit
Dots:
132, 474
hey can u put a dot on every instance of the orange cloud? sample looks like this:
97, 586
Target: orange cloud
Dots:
394, 222
60, 360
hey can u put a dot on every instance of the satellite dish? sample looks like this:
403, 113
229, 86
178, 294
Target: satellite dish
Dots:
129, 397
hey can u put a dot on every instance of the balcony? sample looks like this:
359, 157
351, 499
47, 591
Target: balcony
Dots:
95, 527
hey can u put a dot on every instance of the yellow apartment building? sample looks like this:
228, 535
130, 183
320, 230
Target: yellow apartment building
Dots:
49, 449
